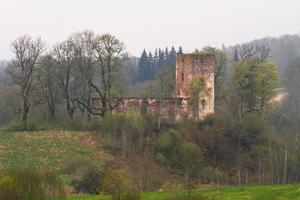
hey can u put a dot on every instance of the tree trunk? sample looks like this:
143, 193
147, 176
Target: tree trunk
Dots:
239, 176
26, 107
270, 158
278, 175
259, 171
285, 166
51, 109
188, 185
246, 176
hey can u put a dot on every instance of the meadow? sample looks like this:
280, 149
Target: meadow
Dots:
47, 150
269, 192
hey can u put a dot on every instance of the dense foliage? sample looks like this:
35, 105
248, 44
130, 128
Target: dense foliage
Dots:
251, 139
24, 184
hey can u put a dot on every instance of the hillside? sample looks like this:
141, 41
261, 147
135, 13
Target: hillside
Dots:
284, 49
51, 149
276, 192
48, 150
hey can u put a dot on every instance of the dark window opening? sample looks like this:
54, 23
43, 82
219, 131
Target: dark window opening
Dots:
182, 77
203, 102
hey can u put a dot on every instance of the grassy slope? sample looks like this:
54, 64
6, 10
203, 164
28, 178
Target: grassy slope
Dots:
47, 150
281, 192
50, 149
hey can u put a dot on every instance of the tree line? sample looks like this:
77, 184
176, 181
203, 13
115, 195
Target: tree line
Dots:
150, 64
71, 72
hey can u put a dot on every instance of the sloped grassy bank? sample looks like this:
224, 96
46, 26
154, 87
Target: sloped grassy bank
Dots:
269, 192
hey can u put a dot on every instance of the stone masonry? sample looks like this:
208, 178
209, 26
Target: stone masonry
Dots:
177, 107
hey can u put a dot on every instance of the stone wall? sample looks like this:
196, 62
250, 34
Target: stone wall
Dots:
169, 108
176, 108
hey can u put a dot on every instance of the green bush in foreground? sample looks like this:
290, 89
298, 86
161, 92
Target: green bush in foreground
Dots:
25, 184
32, 125
184, 197
118, 186
85, 175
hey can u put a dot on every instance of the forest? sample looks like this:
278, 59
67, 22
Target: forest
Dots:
45, 99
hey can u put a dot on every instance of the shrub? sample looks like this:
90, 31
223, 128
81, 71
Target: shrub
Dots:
35, 125
184, 197
118, 186
32, 125
78, 125
8, 188
89, 182
16, 126
85, 175
24, 184
129, 196
123, 132
167, 147
73, 125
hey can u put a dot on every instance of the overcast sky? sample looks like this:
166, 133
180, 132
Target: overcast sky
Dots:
150, 23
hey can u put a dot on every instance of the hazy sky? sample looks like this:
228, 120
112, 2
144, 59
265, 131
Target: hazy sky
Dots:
149, 24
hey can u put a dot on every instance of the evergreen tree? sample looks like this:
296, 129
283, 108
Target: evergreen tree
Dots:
173, 57
150, 68
142, 67
150, 64
161, 58
180, 51
167, 56
155, 60
236, 55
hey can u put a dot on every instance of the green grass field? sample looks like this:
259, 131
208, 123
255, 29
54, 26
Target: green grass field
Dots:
275, 192
47, 149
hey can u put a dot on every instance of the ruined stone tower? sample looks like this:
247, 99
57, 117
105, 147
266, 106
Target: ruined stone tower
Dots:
189, 66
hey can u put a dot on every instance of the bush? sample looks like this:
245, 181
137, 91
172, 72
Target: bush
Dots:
16, 126
129, 196
78, 125
35, 125
27, 184
72, 125
8, 188
118, 186
89, 182
85, 175
123, 132
168, 148
32, 125
184, 197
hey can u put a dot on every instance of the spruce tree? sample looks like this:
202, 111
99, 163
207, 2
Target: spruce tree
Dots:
180, 51
236, 55
173, 57
142, 67
150, 68
161, 58
155, 60
167, 57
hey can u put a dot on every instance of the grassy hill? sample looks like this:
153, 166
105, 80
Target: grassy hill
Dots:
275, 192
51, 149
47, 150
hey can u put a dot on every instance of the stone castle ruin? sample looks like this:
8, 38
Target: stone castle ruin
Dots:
188, 67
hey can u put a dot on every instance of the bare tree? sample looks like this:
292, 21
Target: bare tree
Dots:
258, 53
46, 90
27, 52
98, 59
82, 45
64, 55
108, 55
